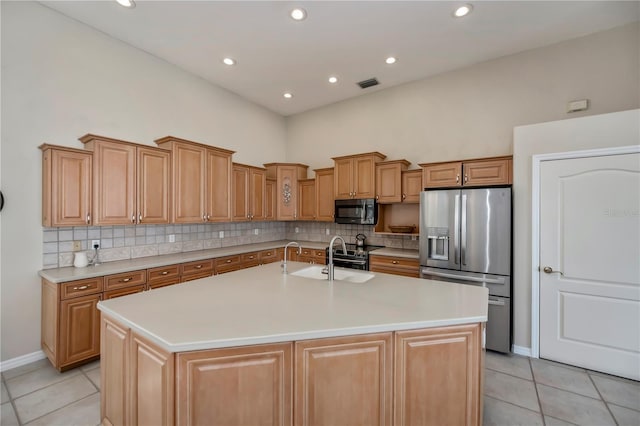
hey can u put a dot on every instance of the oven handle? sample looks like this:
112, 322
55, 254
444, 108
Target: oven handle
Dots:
466, 278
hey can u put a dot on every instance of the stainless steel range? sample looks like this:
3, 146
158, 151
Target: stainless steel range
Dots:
356, 257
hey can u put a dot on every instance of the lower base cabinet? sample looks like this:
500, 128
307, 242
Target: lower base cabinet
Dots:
417, 377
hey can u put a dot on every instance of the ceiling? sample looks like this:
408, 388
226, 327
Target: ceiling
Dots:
346, 39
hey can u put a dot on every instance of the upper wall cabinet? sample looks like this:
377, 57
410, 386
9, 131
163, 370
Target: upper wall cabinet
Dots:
411, 186
270, 199
389, 181
287, 176
325, 204
130, 182
477, 172
201, 181
307, 199
355, 175
249, 193
66, 186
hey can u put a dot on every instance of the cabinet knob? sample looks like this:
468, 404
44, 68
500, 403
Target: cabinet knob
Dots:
83, 287
140, 218
198, 266
133, 218
88, 218
228, 260
208, 217
458, 178
404, 196
164, 272
125, 280
250, 257
204, 217
466, 178
395, 262
377, 197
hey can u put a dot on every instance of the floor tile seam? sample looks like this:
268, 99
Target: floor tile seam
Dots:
622, 406
58, 409
24, 372
49, 385
535, 386
10, 402
515, 405
508, 374
572, 392
603, 400
613, 378
89, 379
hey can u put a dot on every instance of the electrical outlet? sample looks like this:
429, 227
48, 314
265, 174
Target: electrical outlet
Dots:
221, 234
95, 244
297, 229
77, 245
256, 231
172, 238
327, 231
414, 237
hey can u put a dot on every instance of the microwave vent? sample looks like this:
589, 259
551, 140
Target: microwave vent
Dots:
368, 83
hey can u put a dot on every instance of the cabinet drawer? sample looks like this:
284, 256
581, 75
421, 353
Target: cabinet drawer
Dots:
195, 276
228, 264
80, 288
164, 283
124, 291
389, 261
249, 260
197, 267
270, 256
126, 279
163, 274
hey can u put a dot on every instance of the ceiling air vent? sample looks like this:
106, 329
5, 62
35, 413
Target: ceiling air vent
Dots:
368, 83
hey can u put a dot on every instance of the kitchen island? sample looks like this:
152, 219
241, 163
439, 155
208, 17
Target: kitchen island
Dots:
260, 347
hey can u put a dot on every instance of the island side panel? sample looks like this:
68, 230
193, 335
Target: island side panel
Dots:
114, 372
439, 376
237, 386
345, 380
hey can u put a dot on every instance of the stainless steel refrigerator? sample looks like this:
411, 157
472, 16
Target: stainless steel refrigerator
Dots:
465, 237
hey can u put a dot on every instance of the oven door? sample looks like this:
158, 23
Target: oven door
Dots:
343, 262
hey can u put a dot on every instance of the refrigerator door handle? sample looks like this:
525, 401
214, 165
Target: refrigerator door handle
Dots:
463, 239
456, 230
499, 280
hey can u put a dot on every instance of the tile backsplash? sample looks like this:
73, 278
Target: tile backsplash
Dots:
133, 241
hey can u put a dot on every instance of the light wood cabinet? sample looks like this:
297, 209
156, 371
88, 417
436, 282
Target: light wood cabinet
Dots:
130, 182
307, 199
163, 276
438, 376
477, 172
411, 186
198, 269
389, 181
201, 181
66, 186
344, 380
355, 175
115, 373
258, 379
307, 255
270, 199
249, 189
325, 203
287, 176
394, 265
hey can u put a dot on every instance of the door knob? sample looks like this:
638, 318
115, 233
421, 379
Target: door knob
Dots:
549, 270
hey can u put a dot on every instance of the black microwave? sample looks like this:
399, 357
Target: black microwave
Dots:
357, 212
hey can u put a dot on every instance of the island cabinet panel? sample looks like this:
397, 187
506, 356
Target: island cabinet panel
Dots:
80, 324
438, 378
152, 384
238, 386
114, 373
344, 381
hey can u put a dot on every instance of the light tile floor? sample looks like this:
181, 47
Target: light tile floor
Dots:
517, 391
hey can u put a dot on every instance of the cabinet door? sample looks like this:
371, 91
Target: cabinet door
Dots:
344, 381
258, 188
240, 211
307, 199
153, 172
238, 386
343, 179
481, 173
270, 199
114, 183
66, 188
442, 175
437, 376
79, 329
364, 179
114, 373
188, 183
218, 186
411, 186
388, 183
325, 203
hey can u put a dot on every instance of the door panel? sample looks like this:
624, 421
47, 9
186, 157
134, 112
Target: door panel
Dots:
439, 227
589, 228
485, 236
153, 185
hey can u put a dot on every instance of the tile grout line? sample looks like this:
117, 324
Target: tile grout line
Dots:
11, 400
535, 386
60, 408
606, 404
89, 379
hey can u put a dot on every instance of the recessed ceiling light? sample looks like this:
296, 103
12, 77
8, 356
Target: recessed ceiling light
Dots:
333, 79
463, 10
390, 60
298, 14
288, 95
127, 3
229, 61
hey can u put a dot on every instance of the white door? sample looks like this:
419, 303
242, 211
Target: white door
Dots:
590, 238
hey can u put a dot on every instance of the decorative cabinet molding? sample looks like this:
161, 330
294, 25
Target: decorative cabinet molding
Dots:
66, 186
287, 176
476, 172
355, 175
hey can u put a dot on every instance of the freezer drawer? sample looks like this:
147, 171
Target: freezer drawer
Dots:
498, 285
499, 324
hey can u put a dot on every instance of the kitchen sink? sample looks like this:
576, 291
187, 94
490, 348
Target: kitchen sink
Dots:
350, 275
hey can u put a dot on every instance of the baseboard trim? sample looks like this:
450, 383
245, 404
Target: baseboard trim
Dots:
521, 350
21, 360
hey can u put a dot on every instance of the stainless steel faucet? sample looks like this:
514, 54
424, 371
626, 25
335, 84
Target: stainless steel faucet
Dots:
284, 262
344, 250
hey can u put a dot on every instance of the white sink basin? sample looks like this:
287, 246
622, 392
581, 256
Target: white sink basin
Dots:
339, 274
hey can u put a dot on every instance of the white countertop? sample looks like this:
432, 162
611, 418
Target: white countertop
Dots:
71, 273
262, 305
396, 252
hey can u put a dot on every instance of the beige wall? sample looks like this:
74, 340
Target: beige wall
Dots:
601, 131
472, 113
60, 80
